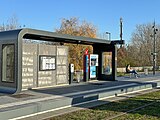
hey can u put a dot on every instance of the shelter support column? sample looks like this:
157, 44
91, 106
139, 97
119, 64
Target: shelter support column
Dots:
107, 61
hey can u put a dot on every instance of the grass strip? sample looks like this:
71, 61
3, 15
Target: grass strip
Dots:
142, 107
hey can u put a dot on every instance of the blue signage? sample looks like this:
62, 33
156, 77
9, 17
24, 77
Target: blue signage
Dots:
92, 71
87, 63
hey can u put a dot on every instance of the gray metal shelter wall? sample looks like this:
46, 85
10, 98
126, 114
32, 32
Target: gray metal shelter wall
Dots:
46, 78
62, 65
7, 38
29, 66
32, 77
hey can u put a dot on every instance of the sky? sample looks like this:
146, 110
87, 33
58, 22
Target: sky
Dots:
104, 14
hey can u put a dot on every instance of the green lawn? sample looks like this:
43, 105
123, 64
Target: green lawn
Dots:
113, 109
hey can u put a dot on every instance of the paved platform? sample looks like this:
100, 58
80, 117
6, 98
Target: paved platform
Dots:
33, 103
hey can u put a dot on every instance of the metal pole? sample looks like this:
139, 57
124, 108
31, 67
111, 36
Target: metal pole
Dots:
121, 26
154, 49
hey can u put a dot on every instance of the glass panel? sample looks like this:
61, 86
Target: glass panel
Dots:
8, 62
107, 63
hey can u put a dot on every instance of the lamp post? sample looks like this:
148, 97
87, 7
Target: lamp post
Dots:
109, 34
121, 29
154, 48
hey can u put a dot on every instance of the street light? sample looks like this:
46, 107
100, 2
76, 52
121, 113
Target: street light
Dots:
121, 29
154, 48
109, 34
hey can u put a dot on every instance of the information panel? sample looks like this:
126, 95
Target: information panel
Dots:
93, 60
47, 63
93, 64
92, 71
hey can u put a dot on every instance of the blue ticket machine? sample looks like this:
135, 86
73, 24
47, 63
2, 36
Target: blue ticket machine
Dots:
93, 60
86, 67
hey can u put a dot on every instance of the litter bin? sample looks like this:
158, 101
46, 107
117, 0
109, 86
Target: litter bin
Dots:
79, 75
146, 71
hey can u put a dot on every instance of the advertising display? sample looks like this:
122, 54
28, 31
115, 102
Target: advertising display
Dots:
107, 63
8, 63
93, 65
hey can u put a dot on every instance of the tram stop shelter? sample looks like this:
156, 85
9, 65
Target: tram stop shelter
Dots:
25, 51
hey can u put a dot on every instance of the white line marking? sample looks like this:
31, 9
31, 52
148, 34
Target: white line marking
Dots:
153, 80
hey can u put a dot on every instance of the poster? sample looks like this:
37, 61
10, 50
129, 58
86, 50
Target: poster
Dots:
107, 63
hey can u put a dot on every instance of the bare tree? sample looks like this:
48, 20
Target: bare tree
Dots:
141, 45
12, 23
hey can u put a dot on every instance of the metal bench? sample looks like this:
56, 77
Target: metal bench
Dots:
130, 74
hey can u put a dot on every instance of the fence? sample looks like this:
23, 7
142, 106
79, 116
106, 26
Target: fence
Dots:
136, 68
